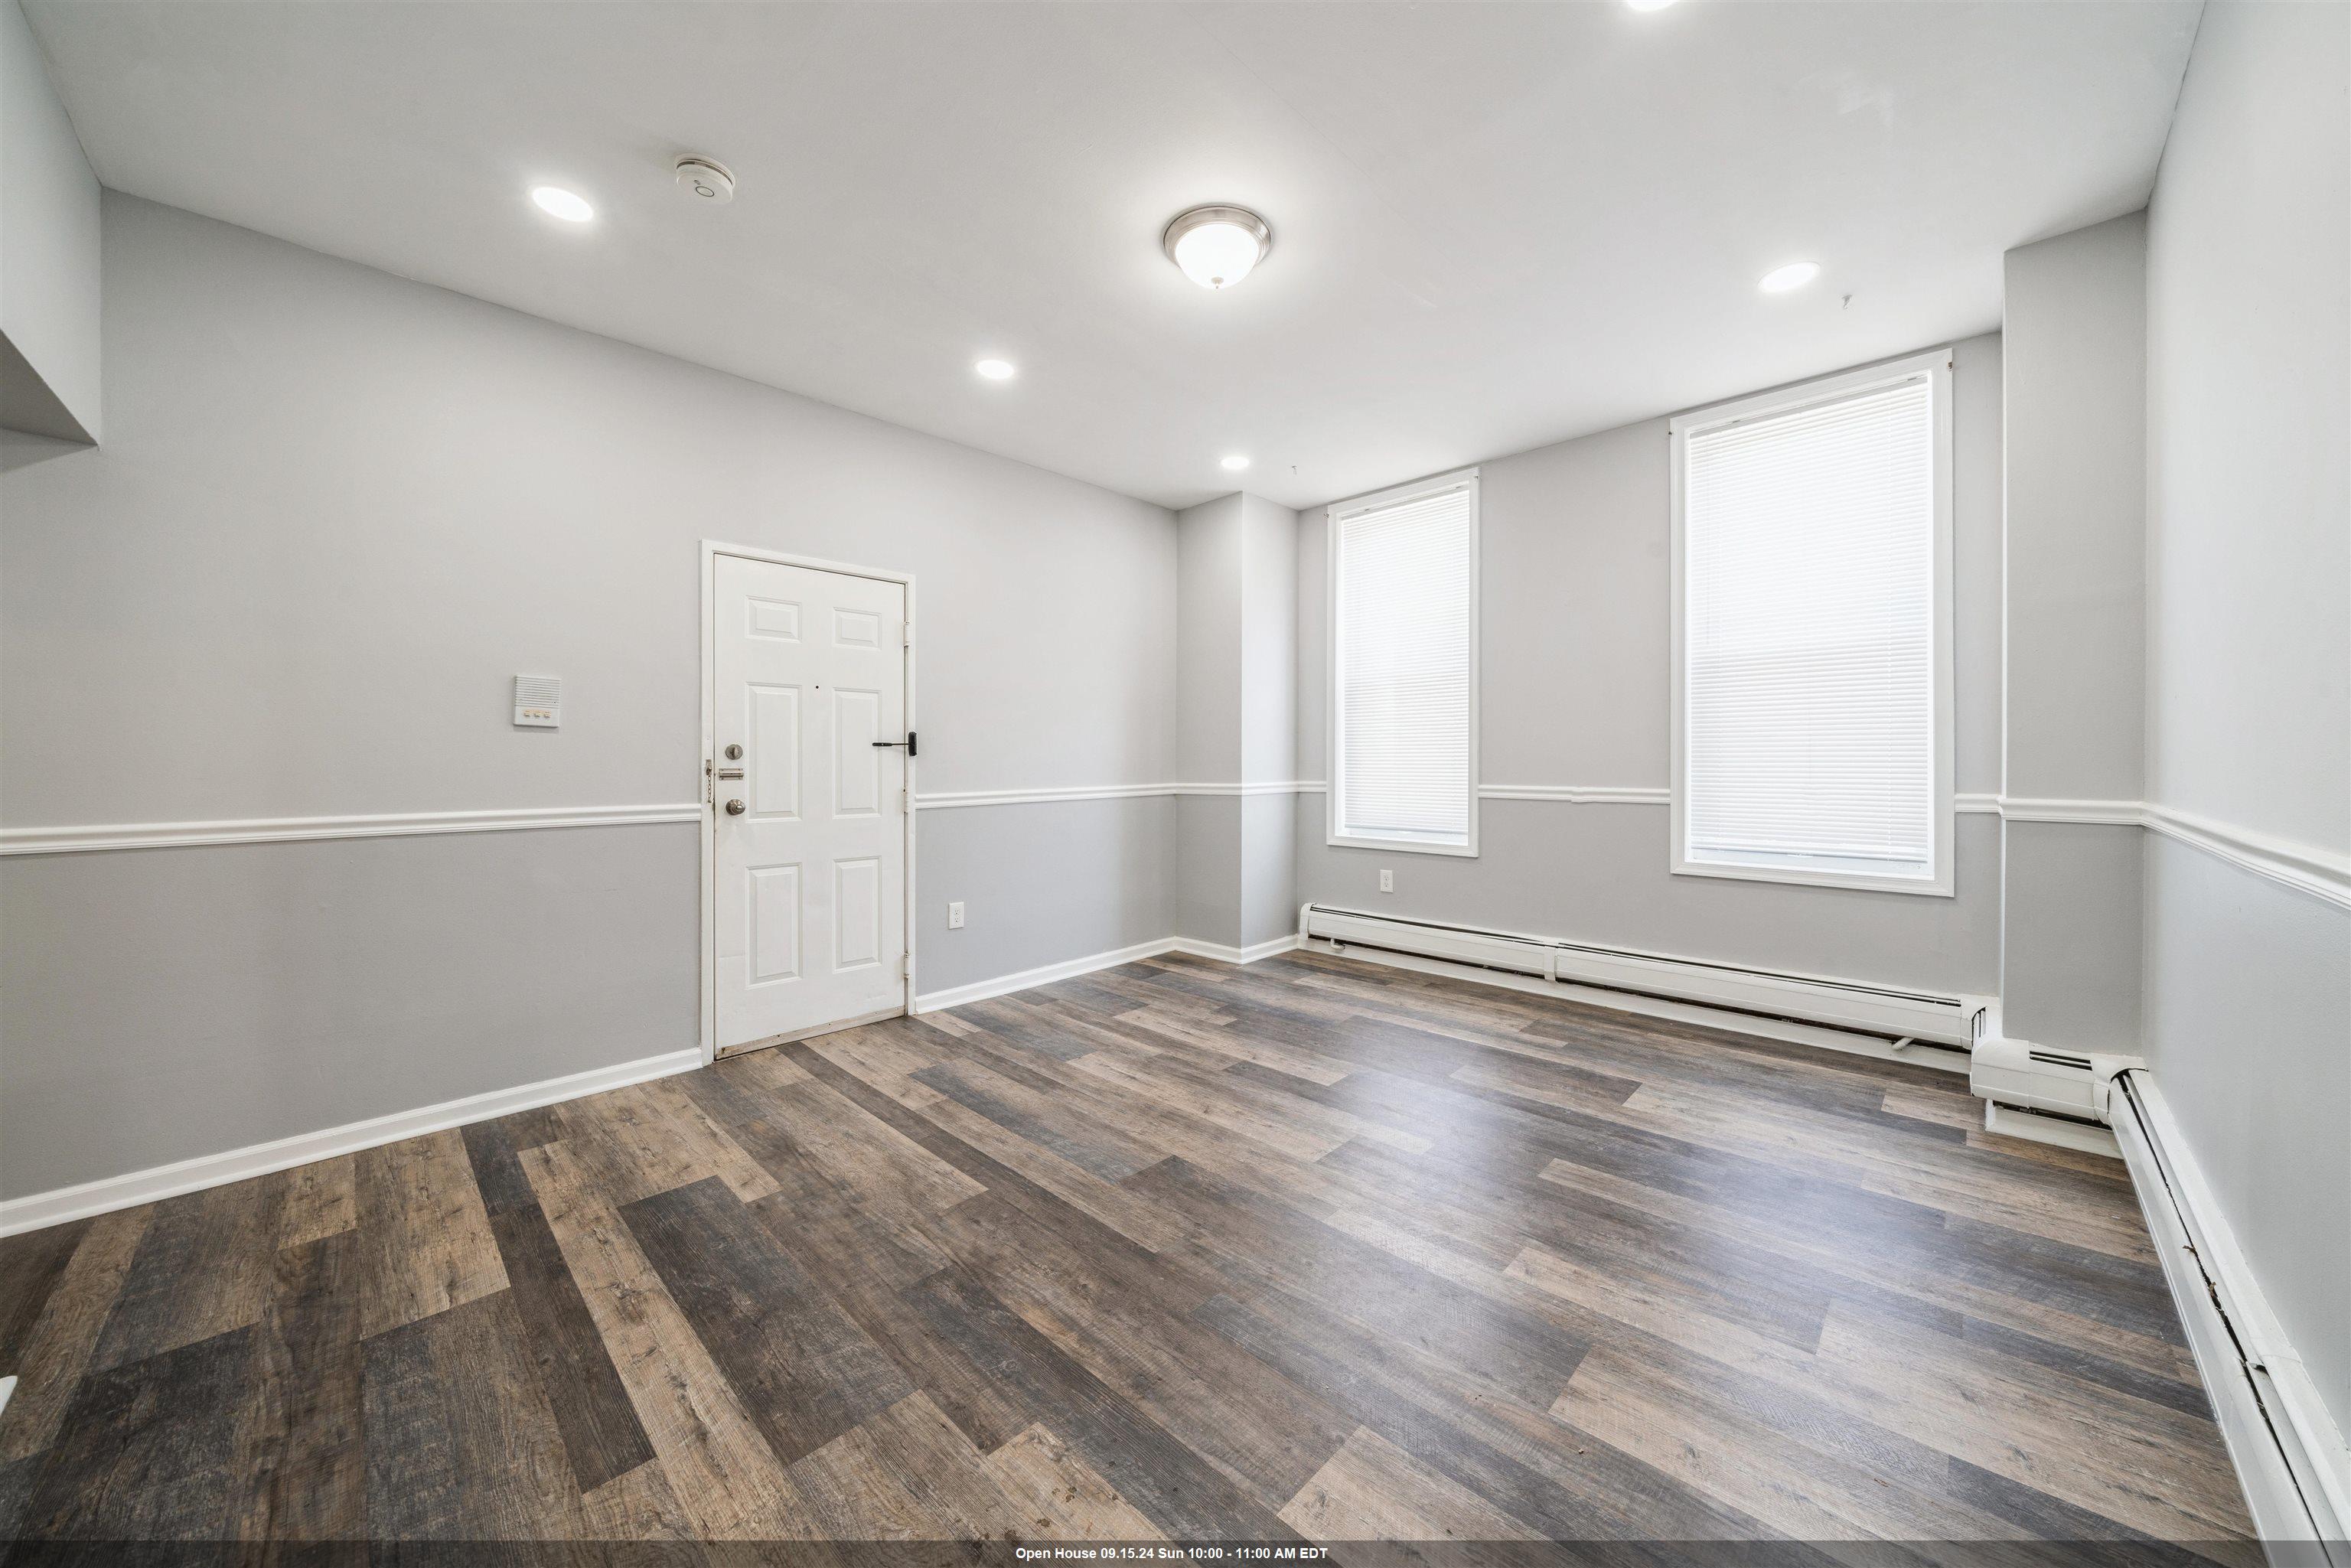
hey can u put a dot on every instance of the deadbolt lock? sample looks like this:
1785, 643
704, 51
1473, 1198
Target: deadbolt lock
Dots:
735, 754
734, 807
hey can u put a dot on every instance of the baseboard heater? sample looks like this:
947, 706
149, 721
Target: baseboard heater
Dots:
2292, 1461
1951, 1020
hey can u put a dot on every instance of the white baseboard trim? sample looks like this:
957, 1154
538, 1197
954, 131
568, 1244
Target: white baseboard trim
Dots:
1069, 968
1222, 954
150, 1186
2291, 1456
1043, 975
2010, 1122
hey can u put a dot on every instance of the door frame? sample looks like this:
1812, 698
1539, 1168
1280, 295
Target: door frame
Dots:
706, 918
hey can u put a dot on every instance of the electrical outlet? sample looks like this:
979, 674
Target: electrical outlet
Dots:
1387, 881
954, 916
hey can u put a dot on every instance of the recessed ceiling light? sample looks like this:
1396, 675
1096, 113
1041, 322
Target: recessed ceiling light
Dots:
995, 370
1795, 274
1237, 463
1648, 5
1217, 247
557, 202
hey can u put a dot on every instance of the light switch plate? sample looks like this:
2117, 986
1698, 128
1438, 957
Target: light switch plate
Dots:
954, 916
1387, 881
539, 702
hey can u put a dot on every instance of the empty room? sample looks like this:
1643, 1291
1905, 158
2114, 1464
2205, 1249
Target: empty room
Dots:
1481, 785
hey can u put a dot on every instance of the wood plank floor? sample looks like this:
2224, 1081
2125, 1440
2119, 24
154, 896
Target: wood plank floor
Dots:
1314, 1249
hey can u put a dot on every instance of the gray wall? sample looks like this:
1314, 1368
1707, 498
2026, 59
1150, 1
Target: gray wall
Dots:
347, 508
1211, 559
161, 1004
1574, 581
2075, 388
335, 513
1236, 642
2249, 1032
1209, 864
2248, 988
2248, 479
48, 251
1209, 562
1596, 874
2074, 347
1269, 639
1041, 882
1269, 719
2070, 935
1268, 891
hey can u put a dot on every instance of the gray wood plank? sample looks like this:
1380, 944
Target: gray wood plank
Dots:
804, 1371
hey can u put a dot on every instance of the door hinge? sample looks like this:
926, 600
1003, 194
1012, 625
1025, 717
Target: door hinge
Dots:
910, 633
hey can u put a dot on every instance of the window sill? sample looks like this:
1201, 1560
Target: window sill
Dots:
1799, 876
1404, 846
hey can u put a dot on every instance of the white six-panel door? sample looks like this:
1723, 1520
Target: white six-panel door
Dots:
809, 880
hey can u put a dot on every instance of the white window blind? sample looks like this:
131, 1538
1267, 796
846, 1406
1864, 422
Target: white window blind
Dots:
1810, 638
1405, 581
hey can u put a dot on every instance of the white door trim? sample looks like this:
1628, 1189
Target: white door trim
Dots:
706, 918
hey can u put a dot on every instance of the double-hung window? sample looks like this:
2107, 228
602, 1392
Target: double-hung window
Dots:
1812, 634
1403, 668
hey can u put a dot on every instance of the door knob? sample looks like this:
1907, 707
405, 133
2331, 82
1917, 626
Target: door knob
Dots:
734, 807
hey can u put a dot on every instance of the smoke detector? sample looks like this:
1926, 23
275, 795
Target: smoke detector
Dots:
705, 181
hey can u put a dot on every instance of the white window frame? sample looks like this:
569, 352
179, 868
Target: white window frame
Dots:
1463, 478
1935, 368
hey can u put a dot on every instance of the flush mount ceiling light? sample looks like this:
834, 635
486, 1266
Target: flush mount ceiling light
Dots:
1795, 274
1217, 247
1236, 463
995, 370
558, 203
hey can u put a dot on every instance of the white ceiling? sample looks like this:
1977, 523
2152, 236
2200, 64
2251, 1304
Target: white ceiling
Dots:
1495, 225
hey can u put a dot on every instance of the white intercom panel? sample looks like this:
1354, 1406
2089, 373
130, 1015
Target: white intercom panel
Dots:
539, 702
